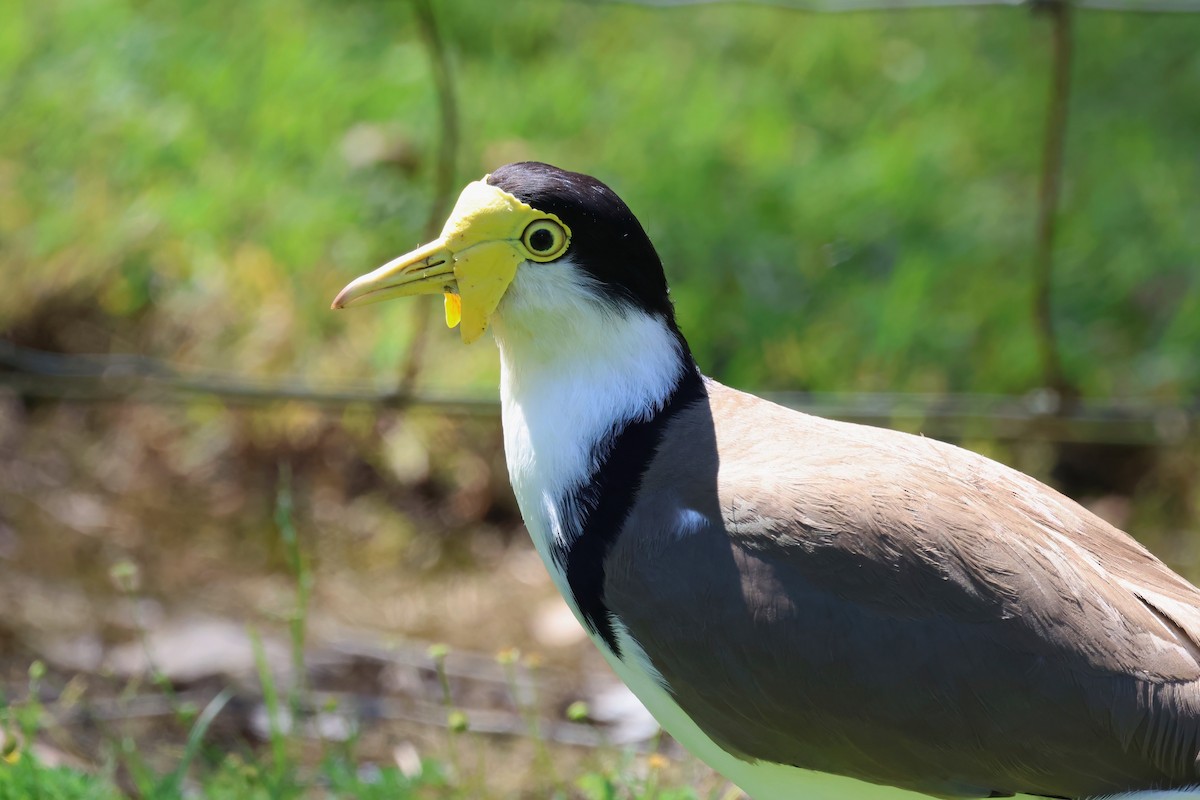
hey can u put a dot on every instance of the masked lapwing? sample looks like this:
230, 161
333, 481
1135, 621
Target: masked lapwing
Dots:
787, 593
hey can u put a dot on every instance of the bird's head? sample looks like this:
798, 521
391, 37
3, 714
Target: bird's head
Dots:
532, 247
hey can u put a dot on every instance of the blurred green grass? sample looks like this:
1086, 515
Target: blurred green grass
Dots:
841, 202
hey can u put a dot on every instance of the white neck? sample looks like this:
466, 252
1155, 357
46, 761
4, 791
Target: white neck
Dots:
562, 391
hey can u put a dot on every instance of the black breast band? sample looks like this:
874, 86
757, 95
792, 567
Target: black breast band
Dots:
606, 497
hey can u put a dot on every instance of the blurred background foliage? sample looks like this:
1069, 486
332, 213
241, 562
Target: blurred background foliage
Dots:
842, 202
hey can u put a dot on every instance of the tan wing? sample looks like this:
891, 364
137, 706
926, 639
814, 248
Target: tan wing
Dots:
892, 608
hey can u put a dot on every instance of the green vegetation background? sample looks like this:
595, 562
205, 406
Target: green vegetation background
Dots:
842, 202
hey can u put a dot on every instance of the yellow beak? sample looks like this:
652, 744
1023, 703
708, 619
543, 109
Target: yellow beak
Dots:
472, 262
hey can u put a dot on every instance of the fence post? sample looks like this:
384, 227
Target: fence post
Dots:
1049, 191
443, 186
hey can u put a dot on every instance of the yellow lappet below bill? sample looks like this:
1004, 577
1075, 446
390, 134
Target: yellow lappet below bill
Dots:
787, 594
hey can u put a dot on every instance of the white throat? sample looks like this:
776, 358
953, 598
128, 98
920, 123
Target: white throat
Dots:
588, 369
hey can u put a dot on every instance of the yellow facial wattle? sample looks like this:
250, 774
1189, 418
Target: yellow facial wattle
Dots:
488, 235
453, 305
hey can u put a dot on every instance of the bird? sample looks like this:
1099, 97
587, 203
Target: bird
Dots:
791, 595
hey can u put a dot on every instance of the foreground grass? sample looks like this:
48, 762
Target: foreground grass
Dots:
28, 777
285, 769
24, 775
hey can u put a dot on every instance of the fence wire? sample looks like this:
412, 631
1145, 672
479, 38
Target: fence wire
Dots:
1038, 415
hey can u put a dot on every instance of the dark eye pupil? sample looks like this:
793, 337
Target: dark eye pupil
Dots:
541, 240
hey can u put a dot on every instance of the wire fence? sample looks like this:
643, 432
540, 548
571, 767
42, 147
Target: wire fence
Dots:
1040, 414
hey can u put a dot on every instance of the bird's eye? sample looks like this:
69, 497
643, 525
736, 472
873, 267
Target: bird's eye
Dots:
545, 240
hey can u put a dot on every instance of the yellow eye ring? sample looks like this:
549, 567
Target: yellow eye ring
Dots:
545, 239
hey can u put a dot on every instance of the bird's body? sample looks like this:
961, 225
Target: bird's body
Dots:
787, 593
